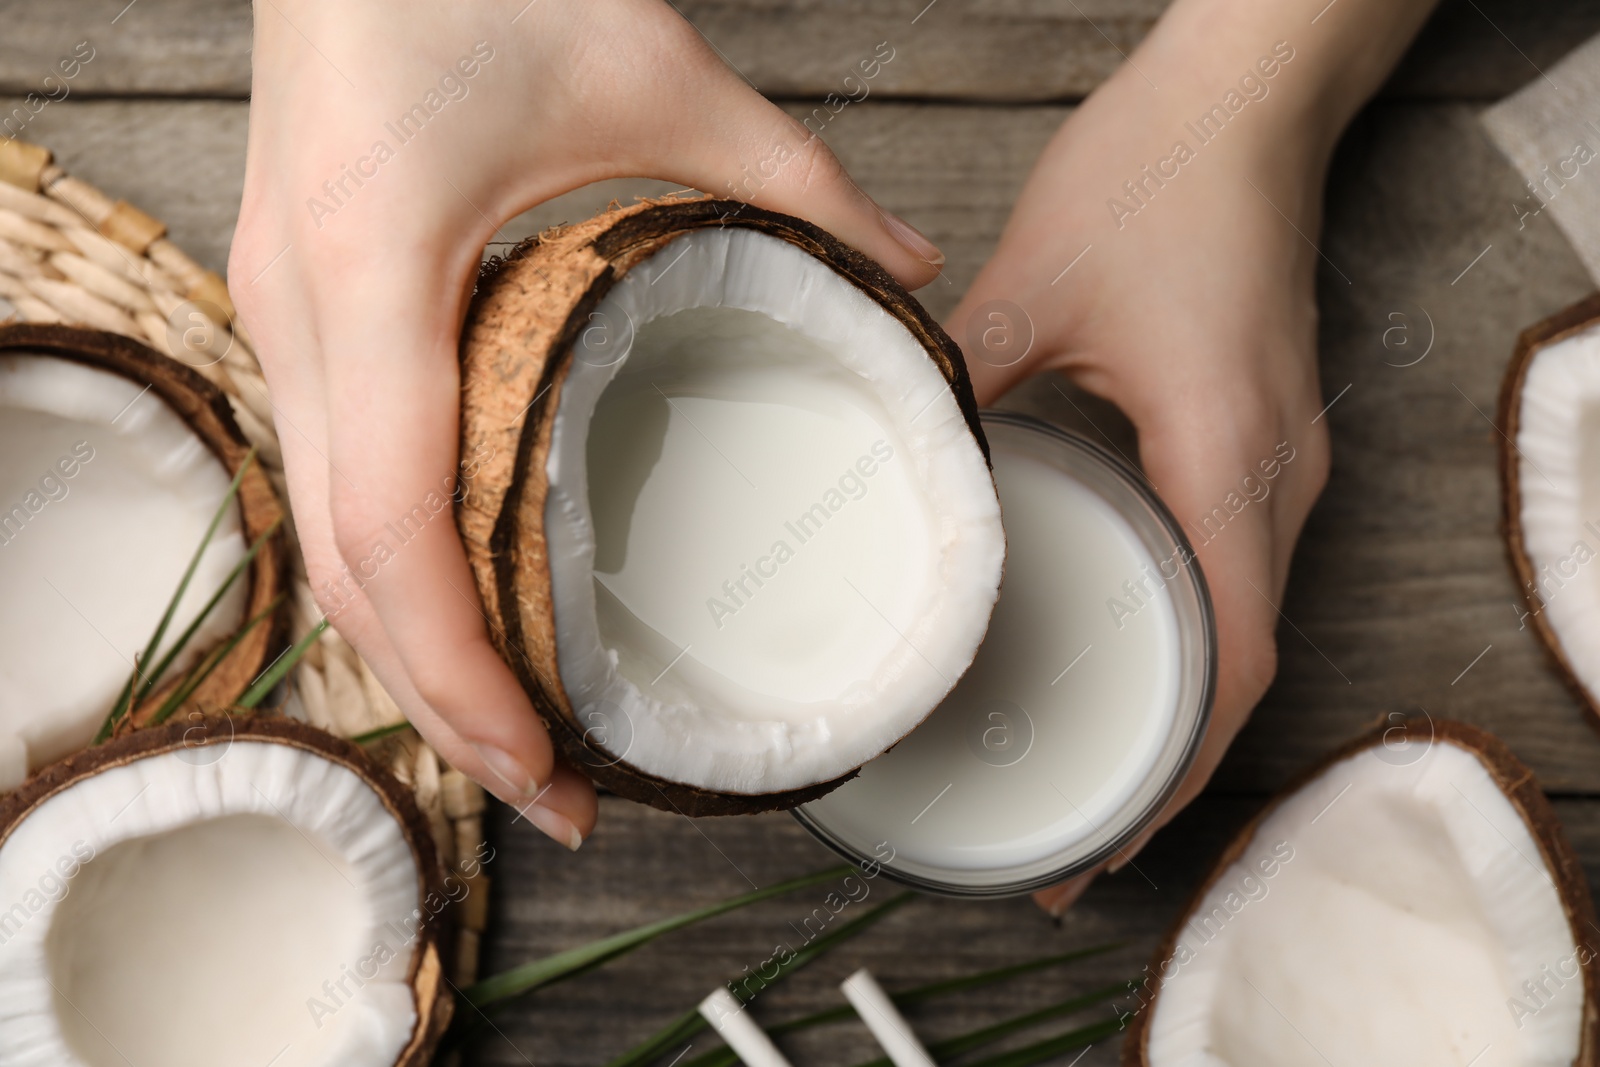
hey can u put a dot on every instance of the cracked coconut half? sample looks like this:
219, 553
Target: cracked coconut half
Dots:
1410, 903
115, 459
249, 891
728, 501
1550, 476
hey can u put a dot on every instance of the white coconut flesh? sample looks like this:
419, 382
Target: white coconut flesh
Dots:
1558, 441
188, 910
774, 541
1386, 913
105, 493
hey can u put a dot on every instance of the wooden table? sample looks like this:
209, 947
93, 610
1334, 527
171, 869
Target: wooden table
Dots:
1399, 584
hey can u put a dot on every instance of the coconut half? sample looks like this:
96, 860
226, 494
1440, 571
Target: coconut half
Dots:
1410, 902
246, 891
728, 503
113, 460
1550, 475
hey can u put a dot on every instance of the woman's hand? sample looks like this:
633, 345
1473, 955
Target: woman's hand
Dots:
1164, 253
387, 144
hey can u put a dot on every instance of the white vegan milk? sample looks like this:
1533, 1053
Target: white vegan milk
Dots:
1082, 708
764, 515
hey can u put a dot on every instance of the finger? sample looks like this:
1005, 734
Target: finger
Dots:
1206, 472
691, 119
721, 136
565, 808
1242, 494
1204, 457
280, 321
996, 336
774, 161
391, 378
269, 289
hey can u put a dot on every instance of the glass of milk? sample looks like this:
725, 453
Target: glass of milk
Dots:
1085, 705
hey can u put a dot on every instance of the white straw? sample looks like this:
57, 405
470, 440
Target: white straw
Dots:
729, 1019
885, 1021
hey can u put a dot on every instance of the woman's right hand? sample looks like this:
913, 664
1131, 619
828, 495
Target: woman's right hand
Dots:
388, 142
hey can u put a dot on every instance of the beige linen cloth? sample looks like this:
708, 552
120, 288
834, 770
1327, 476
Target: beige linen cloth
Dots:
1550, 130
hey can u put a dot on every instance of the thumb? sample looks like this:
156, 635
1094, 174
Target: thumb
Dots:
740, 145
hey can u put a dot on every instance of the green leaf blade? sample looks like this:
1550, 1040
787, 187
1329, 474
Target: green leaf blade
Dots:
380, 732
542, 972
280, 668
206, 666
127, 699
183, 639
957, 1046
1049, 1048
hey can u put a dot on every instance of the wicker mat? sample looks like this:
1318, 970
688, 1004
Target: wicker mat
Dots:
71, 254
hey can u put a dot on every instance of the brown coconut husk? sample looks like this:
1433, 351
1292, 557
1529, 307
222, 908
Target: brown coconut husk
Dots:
516, 351
1535, 339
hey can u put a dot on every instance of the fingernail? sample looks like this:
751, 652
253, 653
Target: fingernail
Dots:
554, 825
505, 767
912, 240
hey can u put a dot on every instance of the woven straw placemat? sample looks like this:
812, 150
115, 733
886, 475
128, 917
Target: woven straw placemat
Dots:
71, 254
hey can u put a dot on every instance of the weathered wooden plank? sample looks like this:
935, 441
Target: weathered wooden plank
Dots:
1057, 50
643, 865
1020, 50
148, 47
1400, 579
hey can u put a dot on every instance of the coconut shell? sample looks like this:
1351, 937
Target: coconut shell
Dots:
1516, 781
516, 351
205, 409
1530, 343
433, 999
